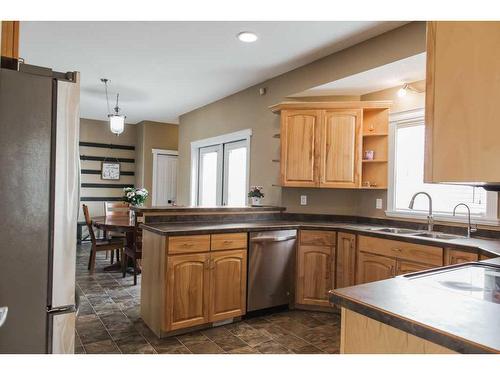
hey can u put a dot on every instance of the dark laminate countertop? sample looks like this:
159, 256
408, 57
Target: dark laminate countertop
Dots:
198, 209
177, 229
450, 319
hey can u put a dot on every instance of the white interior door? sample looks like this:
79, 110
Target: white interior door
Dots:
235, 187
210, 176
165, 180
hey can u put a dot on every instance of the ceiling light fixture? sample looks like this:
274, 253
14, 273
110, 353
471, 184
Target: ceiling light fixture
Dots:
247, 37
116, 120
404, 90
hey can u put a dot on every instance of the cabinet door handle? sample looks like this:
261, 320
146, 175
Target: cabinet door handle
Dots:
393, 271
207, 264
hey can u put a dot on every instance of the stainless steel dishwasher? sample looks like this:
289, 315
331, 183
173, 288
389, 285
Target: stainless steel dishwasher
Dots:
271, 262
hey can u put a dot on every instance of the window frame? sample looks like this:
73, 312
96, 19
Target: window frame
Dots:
242, 135
412, 118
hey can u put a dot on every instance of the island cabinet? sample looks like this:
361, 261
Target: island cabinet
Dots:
315, 267
379, 259
461, 85
190, 281
322, 144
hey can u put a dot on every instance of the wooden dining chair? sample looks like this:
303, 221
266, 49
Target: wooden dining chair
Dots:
115, 209
133, 251
99, 245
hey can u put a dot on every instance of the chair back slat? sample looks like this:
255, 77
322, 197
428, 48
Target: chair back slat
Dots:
88, 221
116, 208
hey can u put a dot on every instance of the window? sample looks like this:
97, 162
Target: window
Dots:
220, 168
407, 177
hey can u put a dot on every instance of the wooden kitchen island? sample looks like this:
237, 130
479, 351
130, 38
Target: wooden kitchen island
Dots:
192, 280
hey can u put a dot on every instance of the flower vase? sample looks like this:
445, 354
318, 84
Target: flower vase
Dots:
256, 201
131, 213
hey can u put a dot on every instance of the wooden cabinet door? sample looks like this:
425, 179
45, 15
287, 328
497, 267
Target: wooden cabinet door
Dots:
346, 260
453, 256
228, 281
374, 267
404, 267
187, 297
299, 156
340, 149
314, 274
463, 63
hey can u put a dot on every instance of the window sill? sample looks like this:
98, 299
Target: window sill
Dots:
443, 218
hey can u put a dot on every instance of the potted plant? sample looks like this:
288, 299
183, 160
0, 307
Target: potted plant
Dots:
256, 195
134, 197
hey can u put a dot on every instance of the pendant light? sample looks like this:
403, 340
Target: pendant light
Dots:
116, 120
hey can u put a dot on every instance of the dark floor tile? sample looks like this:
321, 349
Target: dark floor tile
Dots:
272, 347
244, 350
230, 342
193, 338
253, 338
102, 347
170, 345
205, 348
217, 332
308, 349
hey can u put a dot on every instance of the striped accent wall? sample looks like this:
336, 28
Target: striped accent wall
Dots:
95, 191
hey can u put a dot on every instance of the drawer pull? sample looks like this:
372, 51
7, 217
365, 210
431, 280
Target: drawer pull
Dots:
187, 244
398, 249
228, 241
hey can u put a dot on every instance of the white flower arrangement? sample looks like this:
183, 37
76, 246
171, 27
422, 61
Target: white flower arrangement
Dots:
135, 196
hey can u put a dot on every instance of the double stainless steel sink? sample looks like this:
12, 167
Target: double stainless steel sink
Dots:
417, 233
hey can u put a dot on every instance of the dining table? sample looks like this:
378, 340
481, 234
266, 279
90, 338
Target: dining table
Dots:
116, 223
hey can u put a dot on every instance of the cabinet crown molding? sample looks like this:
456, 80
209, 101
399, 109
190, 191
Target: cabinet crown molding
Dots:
378, 104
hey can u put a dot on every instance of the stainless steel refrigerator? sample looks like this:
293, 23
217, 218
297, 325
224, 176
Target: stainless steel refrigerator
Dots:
39, 197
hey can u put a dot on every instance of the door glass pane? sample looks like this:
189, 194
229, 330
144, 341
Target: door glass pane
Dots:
208, 179
236, 170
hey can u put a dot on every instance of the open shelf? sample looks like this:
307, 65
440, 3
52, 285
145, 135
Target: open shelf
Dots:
375, 121
374, 161
375, 135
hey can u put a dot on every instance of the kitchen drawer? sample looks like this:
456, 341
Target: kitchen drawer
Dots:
426, 254
228, 241
317, 238
454, 256
403, 267
188, 244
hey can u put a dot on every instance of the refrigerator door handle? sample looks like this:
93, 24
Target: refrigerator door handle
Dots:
61, 309
3, 314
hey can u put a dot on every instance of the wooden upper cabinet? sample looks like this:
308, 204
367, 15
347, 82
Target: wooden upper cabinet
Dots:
187, 290
340, 151
299, 160
374, 268
346, 260
314, 274
462, 127
9, 40
322, 144
228, 284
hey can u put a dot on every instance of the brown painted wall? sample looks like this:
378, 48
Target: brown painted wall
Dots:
247, 109
151, 135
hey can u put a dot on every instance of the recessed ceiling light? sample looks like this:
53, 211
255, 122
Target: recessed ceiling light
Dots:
247, 37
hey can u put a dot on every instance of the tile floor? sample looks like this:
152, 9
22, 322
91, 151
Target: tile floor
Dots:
109, 322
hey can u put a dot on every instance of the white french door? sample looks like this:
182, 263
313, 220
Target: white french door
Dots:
234, 189
210, 176
223, 174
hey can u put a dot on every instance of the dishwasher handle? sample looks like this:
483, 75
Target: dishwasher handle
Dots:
273, 239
